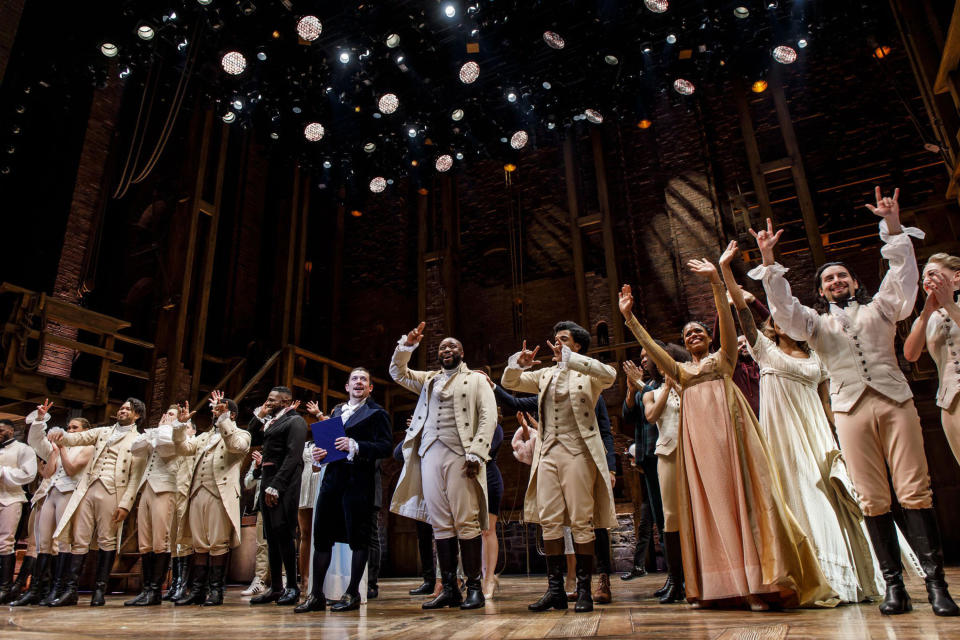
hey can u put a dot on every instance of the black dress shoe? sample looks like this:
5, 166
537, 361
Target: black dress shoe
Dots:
289, 598
348, 602
373, 592
312, 603
267, 597
425, 589
635, 572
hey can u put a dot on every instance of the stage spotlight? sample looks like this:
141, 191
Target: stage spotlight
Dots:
784, 54
443, 163
313, 132
802, 43
145, 32
388, 103
683, 87
327, 164
611, 60
378, 184
881, 52
511, 97
657, 6
122, 74
309, 28
356, 213
671, 38
554, 40
519, 140
109, 49
551, 126
370, 147
644, 124
274, 135
449, 10
204, 2
456, 115
459, 156
647, 49
262, 56
344, 57
759, 86
412, 132
741, 12
229, 117
237, 104
546, 85
469, 72
509, 168
393, 40
593, 116
233, 62
247, 7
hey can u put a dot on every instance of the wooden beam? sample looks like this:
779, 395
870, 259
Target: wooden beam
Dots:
336, 297
804, 198
252, 382
609, 250
449, 269
207, 264
422, 238
299, 297
753, 150
223, 381
292, 228
576, 240
951, 52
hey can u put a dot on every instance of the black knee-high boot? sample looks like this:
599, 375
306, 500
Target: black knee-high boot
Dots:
883, 536
39, 582
471, 557
674, 591
584, 577
146, 580
924, 536
197, 593
449, 594
102, 577
7, 565
216, 580
71, 578
425, 548
555, 597
20, 584
58, 573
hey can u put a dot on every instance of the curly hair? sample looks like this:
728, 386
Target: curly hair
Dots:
580, 335
821, 304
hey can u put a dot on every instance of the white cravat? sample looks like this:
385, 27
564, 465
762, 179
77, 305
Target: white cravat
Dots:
119, 432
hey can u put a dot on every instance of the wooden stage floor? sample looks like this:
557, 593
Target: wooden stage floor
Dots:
396, 615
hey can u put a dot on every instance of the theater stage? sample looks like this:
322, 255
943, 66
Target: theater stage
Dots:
395, 615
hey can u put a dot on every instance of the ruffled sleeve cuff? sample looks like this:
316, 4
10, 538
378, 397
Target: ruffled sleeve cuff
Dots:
402, 344
761, 271
512, 362
907, 232
32, 418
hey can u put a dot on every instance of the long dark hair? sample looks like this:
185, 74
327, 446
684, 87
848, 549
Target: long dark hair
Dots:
821, 304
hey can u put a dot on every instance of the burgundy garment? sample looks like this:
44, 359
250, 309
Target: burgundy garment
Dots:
746, 375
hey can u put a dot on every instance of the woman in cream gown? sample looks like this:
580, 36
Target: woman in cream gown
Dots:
740, 542
794, 421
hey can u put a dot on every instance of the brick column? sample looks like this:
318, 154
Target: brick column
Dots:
10, 12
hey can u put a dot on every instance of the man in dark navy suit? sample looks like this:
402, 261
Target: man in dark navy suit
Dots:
349, 490
281, 431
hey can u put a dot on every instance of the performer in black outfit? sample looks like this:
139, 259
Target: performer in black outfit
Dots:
279, 429
347, 494
601, 545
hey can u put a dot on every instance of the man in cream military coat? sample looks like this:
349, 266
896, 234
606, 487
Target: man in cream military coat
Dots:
569, 481
103, 497
877, 423
155, 514
213, 515
18, 466
445, 451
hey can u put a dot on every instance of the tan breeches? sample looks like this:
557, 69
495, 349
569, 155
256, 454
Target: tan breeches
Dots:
31, 530
177, 545
95, 514
154, 519
9, 519
950, 419
209, 524
667, 474
262, 570
879, 433
451, 497
565, 484
50, 513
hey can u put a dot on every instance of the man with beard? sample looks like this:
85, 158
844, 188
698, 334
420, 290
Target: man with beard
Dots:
569, 479
445, 451
281, 431
18, 466
345, 500
877, 423
103, 497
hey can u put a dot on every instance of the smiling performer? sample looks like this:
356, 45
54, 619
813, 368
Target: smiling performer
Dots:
877, 423
444, 480
348, 490
103, 497
569, 478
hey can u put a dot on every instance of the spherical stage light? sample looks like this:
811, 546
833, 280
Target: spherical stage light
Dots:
233, 62
443, 163
109, 50
784, 54
313, 131
519, 140
593, 116
388, 103
378, 184
683, 87
469, 72
554, 40
309, 28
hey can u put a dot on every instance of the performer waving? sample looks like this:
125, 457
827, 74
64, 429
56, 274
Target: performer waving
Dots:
877, 423
739, 540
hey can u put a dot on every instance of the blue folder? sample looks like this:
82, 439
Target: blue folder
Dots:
325, 434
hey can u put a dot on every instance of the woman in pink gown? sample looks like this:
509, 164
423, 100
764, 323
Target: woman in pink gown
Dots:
741, 544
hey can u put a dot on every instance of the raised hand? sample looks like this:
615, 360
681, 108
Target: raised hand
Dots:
557, 349
261, 411
885, 207
626, 301
257, 457
527, 357
415, 336
704, 269
55, 437
294, 405
766, 241
940, 289
729, 254
633, 373
183, 412
216, 397
43, 409
313, 408
527, 424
